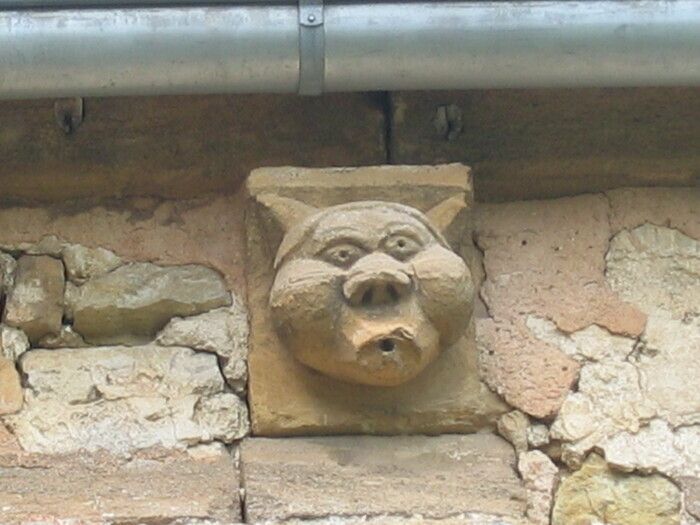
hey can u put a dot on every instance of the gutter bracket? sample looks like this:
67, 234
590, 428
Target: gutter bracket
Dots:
312, 47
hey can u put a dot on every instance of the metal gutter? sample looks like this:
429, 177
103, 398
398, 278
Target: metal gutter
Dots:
263, 47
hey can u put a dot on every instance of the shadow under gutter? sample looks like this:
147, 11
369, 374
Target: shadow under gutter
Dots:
50, 48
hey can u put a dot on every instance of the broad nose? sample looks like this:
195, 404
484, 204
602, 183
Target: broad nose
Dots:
377, 280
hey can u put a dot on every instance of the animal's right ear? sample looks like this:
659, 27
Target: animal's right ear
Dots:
286, 212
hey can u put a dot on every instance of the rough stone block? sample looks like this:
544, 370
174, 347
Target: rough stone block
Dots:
691, 491
10, 388
35, 303
148, 488
7, 272
124, 398
289, 398
13, 342
132, 303
223, 331
432, 478
542, 143
596, 494
83, 263
540, 477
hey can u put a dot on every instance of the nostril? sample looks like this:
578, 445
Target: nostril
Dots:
387, 345
367, 297
392, 292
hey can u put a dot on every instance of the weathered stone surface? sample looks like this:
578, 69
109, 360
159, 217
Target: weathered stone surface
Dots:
540, 477
288, 398
207, 231
436, 477
35, 303
513, 427
470, 518
570, 291
132, 303
609, 399
83, 263
66, 338
538, 435
657, 448
181, 146
7, 272
539, 143
223, 331
656, 268
691, 493
10, 388
92, 489
594, 494
13, 342
675, 208
124, 398
590, 344
9, 447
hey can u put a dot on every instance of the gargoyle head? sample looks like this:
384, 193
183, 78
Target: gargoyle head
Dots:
368, 292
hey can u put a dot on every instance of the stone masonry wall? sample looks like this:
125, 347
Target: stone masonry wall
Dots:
123, 378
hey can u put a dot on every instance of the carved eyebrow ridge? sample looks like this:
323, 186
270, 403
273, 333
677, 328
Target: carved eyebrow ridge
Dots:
344, 239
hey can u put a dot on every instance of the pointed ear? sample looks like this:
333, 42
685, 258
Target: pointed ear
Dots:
444, 213
286, 212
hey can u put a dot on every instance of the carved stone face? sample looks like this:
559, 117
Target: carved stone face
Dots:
367, 292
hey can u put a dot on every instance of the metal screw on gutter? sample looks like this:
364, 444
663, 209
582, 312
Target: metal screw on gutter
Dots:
311, 18
448, 122
68, 113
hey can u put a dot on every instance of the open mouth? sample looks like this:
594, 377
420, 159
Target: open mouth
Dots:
387, 345
398, 344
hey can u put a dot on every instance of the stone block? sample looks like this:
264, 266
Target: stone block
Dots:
543, 143
180, 147
691, 491
431, 478
147, 488
288, 398
132, 303
124, 398
540, 477
13, 342
10, 388
596, 494
35, 303
83, 263
7, 273
223, 331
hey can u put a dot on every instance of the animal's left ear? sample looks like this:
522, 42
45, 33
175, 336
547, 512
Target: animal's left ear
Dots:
444, 214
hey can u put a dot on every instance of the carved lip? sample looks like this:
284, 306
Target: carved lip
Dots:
395, 350
391, 341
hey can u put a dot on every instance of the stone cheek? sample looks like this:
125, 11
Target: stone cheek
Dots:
120, 399
35, 302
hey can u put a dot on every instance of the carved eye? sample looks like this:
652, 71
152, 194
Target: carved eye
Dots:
342, 255
402, 247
